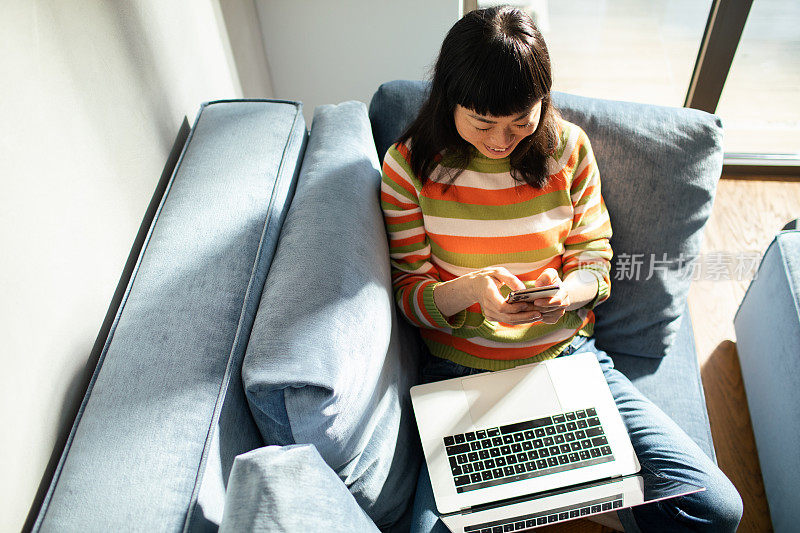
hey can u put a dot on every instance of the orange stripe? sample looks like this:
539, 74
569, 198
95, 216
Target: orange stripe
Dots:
502, 354
402, 219
399, 180
391, 200
415, 239
500, 245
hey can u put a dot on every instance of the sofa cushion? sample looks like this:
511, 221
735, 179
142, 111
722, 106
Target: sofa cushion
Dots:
165, 413
289, 488
659, 168
328, 363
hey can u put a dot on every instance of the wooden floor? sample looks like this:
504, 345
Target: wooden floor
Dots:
747, 214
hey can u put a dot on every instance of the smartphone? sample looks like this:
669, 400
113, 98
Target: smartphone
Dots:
533, 293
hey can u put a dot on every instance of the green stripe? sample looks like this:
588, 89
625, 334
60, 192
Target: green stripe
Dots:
535, 206
411, 224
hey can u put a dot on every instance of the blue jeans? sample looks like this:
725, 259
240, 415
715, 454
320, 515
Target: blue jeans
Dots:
661, 446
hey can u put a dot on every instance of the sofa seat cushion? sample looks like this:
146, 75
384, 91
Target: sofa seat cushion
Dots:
289, 488
165, 413
659, 168
328, 363
673, 383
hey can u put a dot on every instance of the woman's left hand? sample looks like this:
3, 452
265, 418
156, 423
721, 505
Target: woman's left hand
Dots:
552, 308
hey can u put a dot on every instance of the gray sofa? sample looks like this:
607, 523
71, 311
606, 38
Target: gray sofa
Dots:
256, 375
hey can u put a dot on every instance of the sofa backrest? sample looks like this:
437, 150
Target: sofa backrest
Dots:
165, 413
659, 168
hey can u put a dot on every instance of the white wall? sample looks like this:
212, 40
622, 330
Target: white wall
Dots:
92, 95
324, 52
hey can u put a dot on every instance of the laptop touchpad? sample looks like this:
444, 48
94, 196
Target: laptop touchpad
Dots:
499, 398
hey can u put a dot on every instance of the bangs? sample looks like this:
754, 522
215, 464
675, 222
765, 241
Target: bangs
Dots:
501, 80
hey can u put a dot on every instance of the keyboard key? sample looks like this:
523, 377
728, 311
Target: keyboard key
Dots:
486, 444
563, 516
449, 441
494, 452
563, 459
508, 439
537, 443
594, 421
564, 448
461, 480
557, 419
585, 511
544, 452
586, 444
490, 463
478, 466
570, 416
559, 439
569, 437
486, 475
527, 445
530, 466
580, 414
550, 430
561, 428
582, 424
541, 463
595, 452
505, 450
522, 457
580, 434
575, 513
497, 441
453, 462
616, 504
519, 437
552, 461
573, 457
599, 441
596, 508
462, 459
480, 434
457, 470
472, 456
467, 468
470, 436
457, 449
529, 424
497, 473
606, 506
475, 446
460, 438
605, 450
511, 459
501, 461
594, 431
572, 426
548, 441
492, 432
554, 450
476, 478
575, 446
533, 454
516, 447
584, 455
591, 412
508, 470
519, 469
484, 454
529, 434
539, 432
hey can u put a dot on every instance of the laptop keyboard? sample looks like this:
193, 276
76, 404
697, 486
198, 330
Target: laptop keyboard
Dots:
530, 521
498, 455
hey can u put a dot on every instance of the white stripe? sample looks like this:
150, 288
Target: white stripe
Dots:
514, 227
593, 201
552, 337
581, 230
425, 268
392, 163
515, 268
478, 180
554, 167
591, 180
386, 188
406, 233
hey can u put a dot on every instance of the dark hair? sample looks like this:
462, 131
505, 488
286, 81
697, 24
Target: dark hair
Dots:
494, 62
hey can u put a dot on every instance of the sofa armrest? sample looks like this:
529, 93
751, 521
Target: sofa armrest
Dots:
768, 342
289, 488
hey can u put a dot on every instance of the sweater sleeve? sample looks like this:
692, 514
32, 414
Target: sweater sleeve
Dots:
587, 247
414, 277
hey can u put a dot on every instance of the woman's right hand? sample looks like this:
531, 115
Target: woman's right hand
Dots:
485, 289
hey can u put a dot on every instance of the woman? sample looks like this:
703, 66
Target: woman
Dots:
489, 191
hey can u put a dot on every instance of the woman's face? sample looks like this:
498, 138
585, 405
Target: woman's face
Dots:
496, 137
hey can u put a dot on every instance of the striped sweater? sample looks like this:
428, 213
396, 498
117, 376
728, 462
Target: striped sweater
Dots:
488, 219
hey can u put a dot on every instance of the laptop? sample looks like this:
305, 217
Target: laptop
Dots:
530, 446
